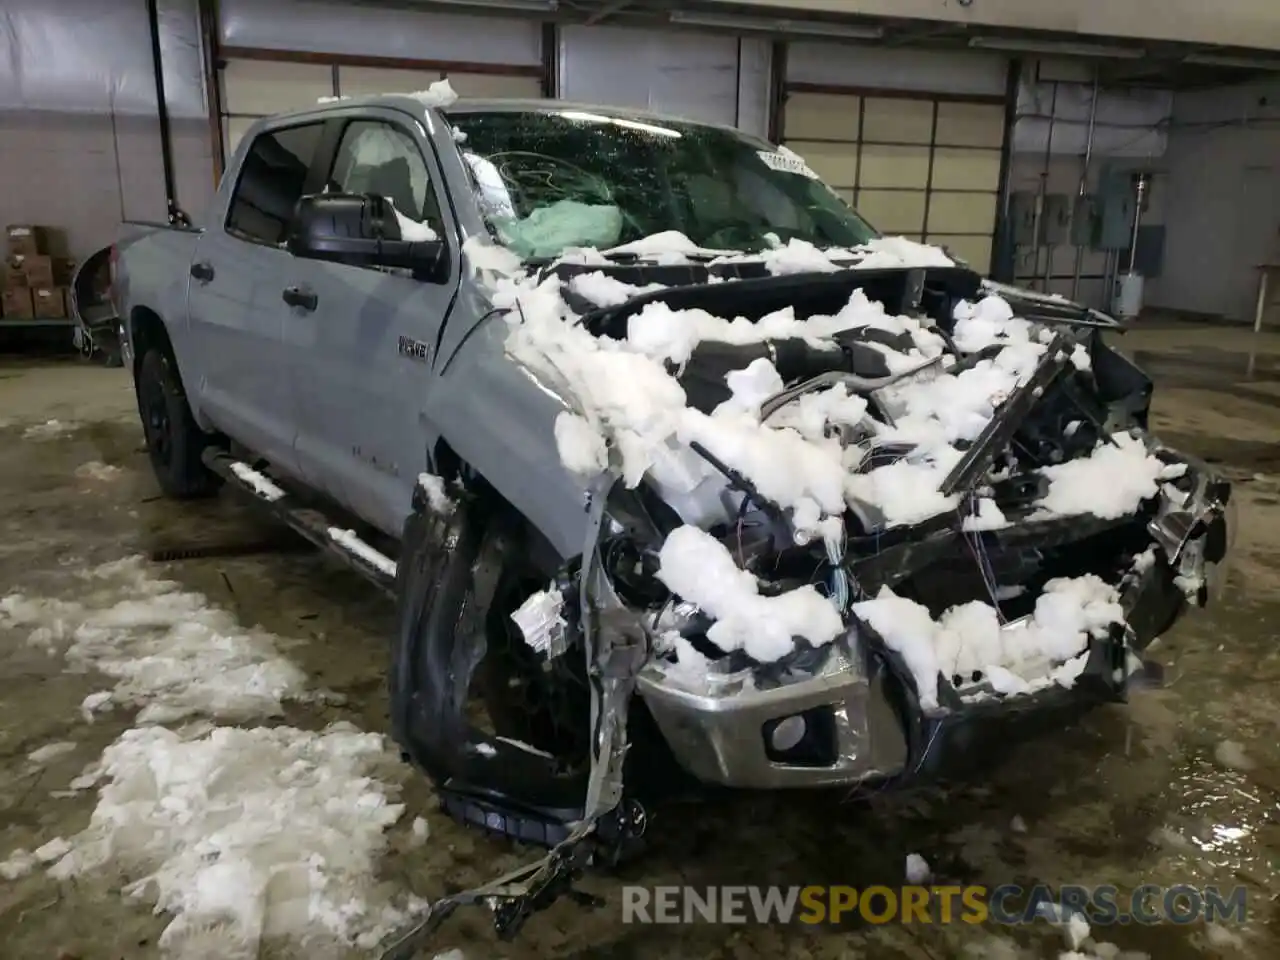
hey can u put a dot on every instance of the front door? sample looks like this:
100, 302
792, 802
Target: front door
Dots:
370, 343
238, 318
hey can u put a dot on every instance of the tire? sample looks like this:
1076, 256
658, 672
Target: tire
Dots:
174, 442
449, 576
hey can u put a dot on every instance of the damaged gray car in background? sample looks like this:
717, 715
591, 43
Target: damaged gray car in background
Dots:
700, 472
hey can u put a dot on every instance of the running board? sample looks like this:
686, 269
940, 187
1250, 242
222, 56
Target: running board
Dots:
308, 522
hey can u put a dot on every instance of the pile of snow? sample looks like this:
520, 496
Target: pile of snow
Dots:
97, 470
438, 96
171, 653
629, 413
1048, 647
245, 834
239, 833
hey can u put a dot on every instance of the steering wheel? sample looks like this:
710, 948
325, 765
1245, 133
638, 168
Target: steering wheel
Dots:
537, 174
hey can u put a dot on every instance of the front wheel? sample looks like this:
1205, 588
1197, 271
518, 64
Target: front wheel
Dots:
175, 443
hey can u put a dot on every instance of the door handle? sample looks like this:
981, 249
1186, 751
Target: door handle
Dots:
202, 271
296, 297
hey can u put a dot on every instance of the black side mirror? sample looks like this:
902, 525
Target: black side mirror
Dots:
360, 230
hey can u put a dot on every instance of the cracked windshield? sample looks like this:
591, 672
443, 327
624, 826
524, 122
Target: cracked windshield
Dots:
551, 181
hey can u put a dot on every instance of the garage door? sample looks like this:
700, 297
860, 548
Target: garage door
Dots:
923, 167
253, 88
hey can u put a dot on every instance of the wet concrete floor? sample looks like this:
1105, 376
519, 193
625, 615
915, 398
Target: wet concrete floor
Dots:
1137, 794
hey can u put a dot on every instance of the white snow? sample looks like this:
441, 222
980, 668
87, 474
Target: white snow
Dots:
1048, 647
626, 410
439, 95
438, 498
243, 834
50, 751
350, 540
1109, 483
1231, 754
412, 230
48, 430
698, 568
1018, 825
262, 485
419, 831
240, 833
97, 470
917, 869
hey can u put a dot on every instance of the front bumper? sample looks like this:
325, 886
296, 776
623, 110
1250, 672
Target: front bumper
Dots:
859, 708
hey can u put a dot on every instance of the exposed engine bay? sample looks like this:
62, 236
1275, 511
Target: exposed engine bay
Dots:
842, 517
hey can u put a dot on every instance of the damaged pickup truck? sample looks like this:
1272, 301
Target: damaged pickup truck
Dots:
665, 454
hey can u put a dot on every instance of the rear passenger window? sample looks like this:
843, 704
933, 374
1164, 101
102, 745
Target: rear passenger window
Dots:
380, 158
271, 183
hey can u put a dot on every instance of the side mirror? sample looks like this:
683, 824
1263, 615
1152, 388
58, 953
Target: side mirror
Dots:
360, 230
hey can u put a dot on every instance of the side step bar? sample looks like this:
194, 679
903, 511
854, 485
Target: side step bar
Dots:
308, 522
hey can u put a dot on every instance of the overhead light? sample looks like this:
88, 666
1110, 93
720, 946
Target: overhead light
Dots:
809, 28
1060, 48
525, 6
1240, 63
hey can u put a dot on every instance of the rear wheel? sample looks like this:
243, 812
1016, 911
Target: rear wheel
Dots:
174, 442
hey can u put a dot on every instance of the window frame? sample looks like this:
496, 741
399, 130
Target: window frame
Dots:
308, 181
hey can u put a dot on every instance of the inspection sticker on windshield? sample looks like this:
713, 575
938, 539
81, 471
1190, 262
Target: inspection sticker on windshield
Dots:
787, 162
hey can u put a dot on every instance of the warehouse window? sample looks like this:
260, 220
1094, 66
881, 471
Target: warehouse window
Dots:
923, 167
271, 183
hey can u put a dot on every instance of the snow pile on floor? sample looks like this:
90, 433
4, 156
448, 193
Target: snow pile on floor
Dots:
49, 430
1048, 647
172, 654
97, 470
239, 833
245, 834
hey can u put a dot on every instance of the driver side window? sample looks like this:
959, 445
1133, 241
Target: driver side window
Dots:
380, 158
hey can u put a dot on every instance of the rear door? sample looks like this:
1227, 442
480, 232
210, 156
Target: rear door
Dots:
238, 317
369, 346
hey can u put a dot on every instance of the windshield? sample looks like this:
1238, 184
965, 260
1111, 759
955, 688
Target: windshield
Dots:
548, 181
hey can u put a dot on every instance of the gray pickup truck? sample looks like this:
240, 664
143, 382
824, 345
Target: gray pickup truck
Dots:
671, 462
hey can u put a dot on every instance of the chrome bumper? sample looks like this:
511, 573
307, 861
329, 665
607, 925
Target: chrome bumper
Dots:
720, 732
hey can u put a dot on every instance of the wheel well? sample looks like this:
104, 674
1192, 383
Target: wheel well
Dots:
147, 330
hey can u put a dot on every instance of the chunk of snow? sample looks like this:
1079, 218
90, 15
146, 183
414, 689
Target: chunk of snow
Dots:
581, 446
484, 255
244, 834
917, 869
1018, 825
262, 485
698, 568
55, 849
420, 831
94, 704
666, 243
439, 95
454, 954
1231, 754
1075, 928
606, 291
433, 488
988, 516
412, 230
18, 864
1047, 647
97, 470
50, 751
352, 543
48, 430
895, 252
1110, 483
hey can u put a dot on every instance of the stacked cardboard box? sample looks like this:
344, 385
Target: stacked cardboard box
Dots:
34, 282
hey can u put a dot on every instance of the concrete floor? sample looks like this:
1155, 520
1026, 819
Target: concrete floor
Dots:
1133, 796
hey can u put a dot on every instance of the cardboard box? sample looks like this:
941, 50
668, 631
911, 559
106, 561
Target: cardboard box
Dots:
38, 271
12, 276
17, 304
49, 303
26, 240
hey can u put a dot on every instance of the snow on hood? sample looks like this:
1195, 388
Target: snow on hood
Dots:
629, 413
